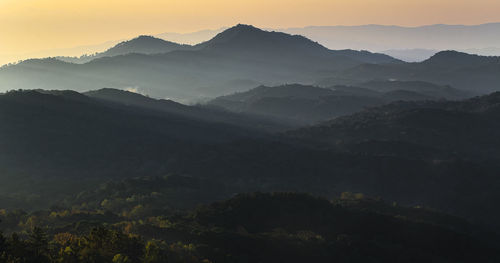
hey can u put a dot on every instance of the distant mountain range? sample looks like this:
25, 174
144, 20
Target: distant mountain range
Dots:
411, 44
473, 73
478, 39
241, 58
105, 141
234, 60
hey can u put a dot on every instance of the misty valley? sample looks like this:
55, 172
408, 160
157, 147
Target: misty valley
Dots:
252, 146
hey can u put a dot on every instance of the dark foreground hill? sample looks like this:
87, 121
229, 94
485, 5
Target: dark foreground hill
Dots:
252, 228
75, 138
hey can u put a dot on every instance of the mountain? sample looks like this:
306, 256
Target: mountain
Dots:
379, 38
471, 73
297, 104
196, 112
453, 60
141, 45
458, 136
68, 52
53, 137
243, 39
446, 128
144, 45
223, 65
305, 105
441, 154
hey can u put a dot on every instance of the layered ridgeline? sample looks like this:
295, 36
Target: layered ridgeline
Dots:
443, 129
440, 154
473, 73
60, 138
241, 58
236, 59
303, 105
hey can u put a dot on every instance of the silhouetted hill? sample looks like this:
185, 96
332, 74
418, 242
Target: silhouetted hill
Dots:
248, 39
234, 60
455, 60
67, 135
141, 45
144, 45
471, 73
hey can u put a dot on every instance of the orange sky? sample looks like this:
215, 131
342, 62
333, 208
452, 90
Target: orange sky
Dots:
32, 25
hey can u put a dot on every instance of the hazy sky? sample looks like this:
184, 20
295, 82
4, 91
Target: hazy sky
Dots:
32, 25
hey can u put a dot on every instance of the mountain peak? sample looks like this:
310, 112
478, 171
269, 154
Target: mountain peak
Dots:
145, 45
146, 37
144, 40
451, 58
244, 27
449, 54
247, 37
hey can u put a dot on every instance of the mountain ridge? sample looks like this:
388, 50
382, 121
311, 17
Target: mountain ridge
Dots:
198, 73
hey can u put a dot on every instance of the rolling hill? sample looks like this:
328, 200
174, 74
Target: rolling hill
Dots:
259, 227
194, 112
59, 136
454, 128
305, 105
471, 73
441, 154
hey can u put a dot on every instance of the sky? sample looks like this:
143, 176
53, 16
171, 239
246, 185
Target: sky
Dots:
30, 26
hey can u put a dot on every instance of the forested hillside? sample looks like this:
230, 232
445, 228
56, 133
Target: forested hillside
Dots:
255, 227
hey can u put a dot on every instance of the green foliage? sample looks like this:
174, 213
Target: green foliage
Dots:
259, 227
3, 244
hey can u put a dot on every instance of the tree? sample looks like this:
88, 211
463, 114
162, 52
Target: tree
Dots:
120, 258
154, 253
3, 244
39, 244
